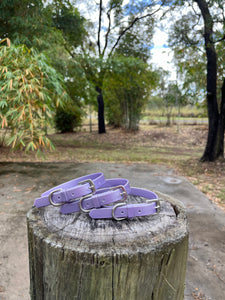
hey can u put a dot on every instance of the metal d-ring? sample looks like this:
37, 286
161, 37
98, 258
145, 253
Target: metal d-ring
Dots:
113, 211
80, 203
51, 201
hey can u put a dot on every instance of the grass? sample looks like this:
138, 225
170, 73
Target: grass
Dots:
188, 111
186, 114
179, 149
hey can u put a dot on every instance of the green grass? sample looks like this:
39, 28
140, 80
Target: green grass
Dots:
179, 149
188, 111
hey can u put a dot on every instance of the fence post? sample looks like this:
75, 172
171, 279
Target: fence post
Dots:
75, 257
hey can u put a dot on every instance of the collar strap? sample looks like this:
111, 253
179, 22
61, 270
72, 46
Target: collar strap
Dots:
122, 211
70, 190
113, 190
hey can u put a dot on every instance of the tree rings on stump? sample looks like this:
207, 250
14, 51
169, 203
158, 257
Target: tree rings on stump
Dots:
75, 257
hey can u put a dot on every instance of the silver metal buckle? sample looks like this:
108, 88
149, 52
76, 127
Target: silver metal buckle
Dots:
124, 192
158, 207
50, 198
92, 186
113, 211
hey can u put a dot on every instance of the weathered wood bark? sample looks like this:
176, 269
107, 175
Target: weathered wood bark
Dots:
215, 140
101, 117
75, 257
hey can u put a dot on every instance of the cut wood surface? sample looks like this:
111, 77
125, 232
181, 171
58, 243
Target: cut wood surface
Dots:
76, 257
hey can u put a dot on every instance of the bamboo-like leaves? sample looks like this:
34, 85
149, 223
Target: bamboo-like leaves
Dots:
30, 90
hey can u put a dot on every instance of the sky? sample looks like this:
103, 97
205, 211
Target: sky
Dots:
162, 55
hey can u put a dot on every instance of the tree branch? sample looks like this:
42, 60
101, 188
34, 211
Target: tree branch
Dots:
131, 25
99, 27
220, 40
108, 31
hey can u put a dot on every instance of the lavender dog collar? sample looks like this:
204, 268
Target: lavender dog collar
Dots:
71, 190
93, 194
122, 211
113, 190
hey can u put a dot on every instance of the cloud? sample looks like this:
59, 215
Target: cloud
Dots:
162, 55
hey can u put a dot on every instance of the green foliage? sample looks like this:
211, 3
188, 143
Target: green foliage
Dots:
187, 41
70, 25
30, 91
220, 61
78, 89
127, 85
25, 22
68, 118
68, 20
173, 95
113, 26
192, 70
137, 41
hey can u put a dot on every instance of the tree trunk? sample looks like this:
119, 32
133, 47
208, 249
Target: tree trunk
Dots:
101, 118
75, 257
213, 148
133, 117
221, 126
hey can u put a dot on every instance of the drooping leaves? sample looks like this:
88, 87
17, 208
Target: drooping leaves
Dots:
30, 91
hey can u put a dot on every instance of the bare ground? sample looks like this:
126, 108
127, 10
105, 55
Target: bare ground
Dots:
180, 151
179, 148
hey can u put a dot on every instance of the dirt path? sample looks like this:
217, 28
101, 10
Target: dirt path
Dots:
20, 183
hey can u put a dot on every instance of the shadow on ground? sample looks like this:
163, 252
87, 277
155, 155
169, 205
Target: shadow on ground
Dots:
21, 183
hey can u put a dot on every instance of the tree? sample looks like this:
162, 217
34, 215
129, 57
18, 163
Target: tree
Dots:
207, 26
30, 92
68, 21
25, 22
36, 25
115, 20
172, 97
192, 74
137, 42
127, 86
70, 116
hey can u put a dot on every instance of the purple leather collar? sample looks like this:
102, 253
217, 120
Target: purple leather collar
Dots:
93, 194
71, 190
113, 190
122, 211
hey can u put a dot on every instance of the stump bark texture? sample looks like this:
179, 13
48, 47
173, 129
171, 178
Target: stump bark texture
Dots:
75, 257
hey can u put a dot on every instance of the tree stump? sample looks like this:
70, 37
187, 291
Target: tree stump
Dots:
75, 257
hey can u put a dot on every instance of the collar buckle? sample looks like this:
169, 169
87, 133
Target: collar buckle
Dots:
123, 193
157, 201
91, 183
